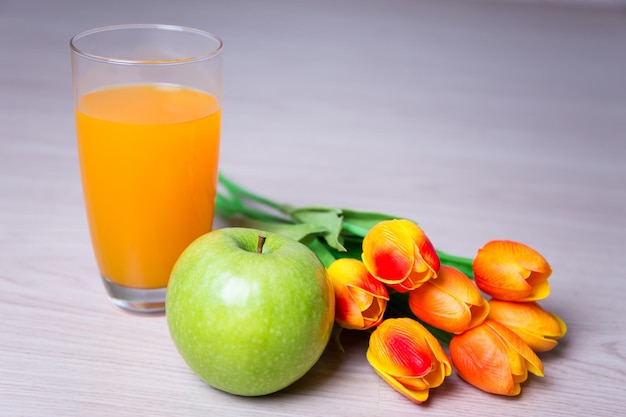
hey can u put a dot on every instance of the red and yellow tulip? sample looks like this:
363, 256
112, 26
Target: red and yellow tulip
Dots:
399, 254
511, 271
493, 358
540, 329
406, 356
451, 302
495, 353
360, 299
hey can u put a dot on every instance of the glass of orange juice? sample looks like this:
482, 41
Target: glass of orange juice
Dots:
147, 102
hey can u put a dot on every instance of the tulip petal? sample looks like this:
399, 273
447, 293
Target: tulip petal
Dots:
414, 383
412, 281
536, 342
408, 357
514, 342
479, 359
511, 271
439, 309
426, 255
501, 279
494, 358
347, 313
417, 396
363, 299
360, 299
388, 252
562, 327
540, 291
395, 348
399, 254
370, 307
539, 328
451, 302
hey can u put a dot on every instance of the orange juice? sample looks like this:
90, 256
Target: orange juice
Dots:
148, 157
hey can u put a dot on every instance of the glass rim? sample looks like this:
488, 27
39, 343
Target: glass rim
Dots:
173, 28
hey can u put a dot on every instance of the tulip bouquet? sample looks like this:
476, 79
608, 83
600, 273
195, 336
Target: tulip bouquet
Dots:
414, 299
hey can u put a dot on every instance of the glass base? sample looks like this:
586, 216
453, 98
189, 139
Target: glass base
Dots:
136, 300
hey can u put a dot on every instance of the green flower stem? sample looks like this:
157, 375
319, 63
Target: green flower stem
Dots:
322, 252
461, 263
228, 208
354, 229
239, 191
235, 206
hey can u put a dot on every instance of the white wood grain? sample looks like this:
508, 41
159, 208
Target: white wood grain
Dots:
480, 120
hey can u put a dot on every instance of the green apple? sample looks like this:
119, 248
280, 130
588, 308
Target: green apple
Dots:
249, 317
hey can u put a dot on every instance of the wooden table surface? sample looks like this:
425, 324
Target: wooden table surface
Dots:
479, 120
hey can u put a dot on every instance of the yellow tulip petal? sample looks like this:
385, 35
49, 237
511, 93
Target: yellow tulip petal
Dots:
427, 258
514, 342
360, 299
437, 377
562, 327
539, 328
540, 291
363, 299
536, 342
371, 307
414, 383
417, 396
411, 282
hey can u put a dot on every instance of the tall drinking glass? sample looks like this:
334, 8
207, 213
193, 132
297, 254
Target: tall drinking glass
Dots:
147, 102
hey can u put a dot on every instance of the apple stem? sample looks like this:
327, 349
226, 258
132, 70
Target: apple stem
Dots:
260, 243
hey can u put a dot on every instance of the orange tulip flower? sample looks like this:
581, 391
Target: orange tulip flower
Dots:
406, 356
511, 271
399, 254
493, 358
539, 328
360, 299
451, 302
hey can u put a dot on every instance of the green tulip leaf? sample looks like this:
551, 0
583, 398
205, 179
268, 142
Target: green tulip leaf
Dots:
354, 248
329, 218
360, 222
463, 264
302, 232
